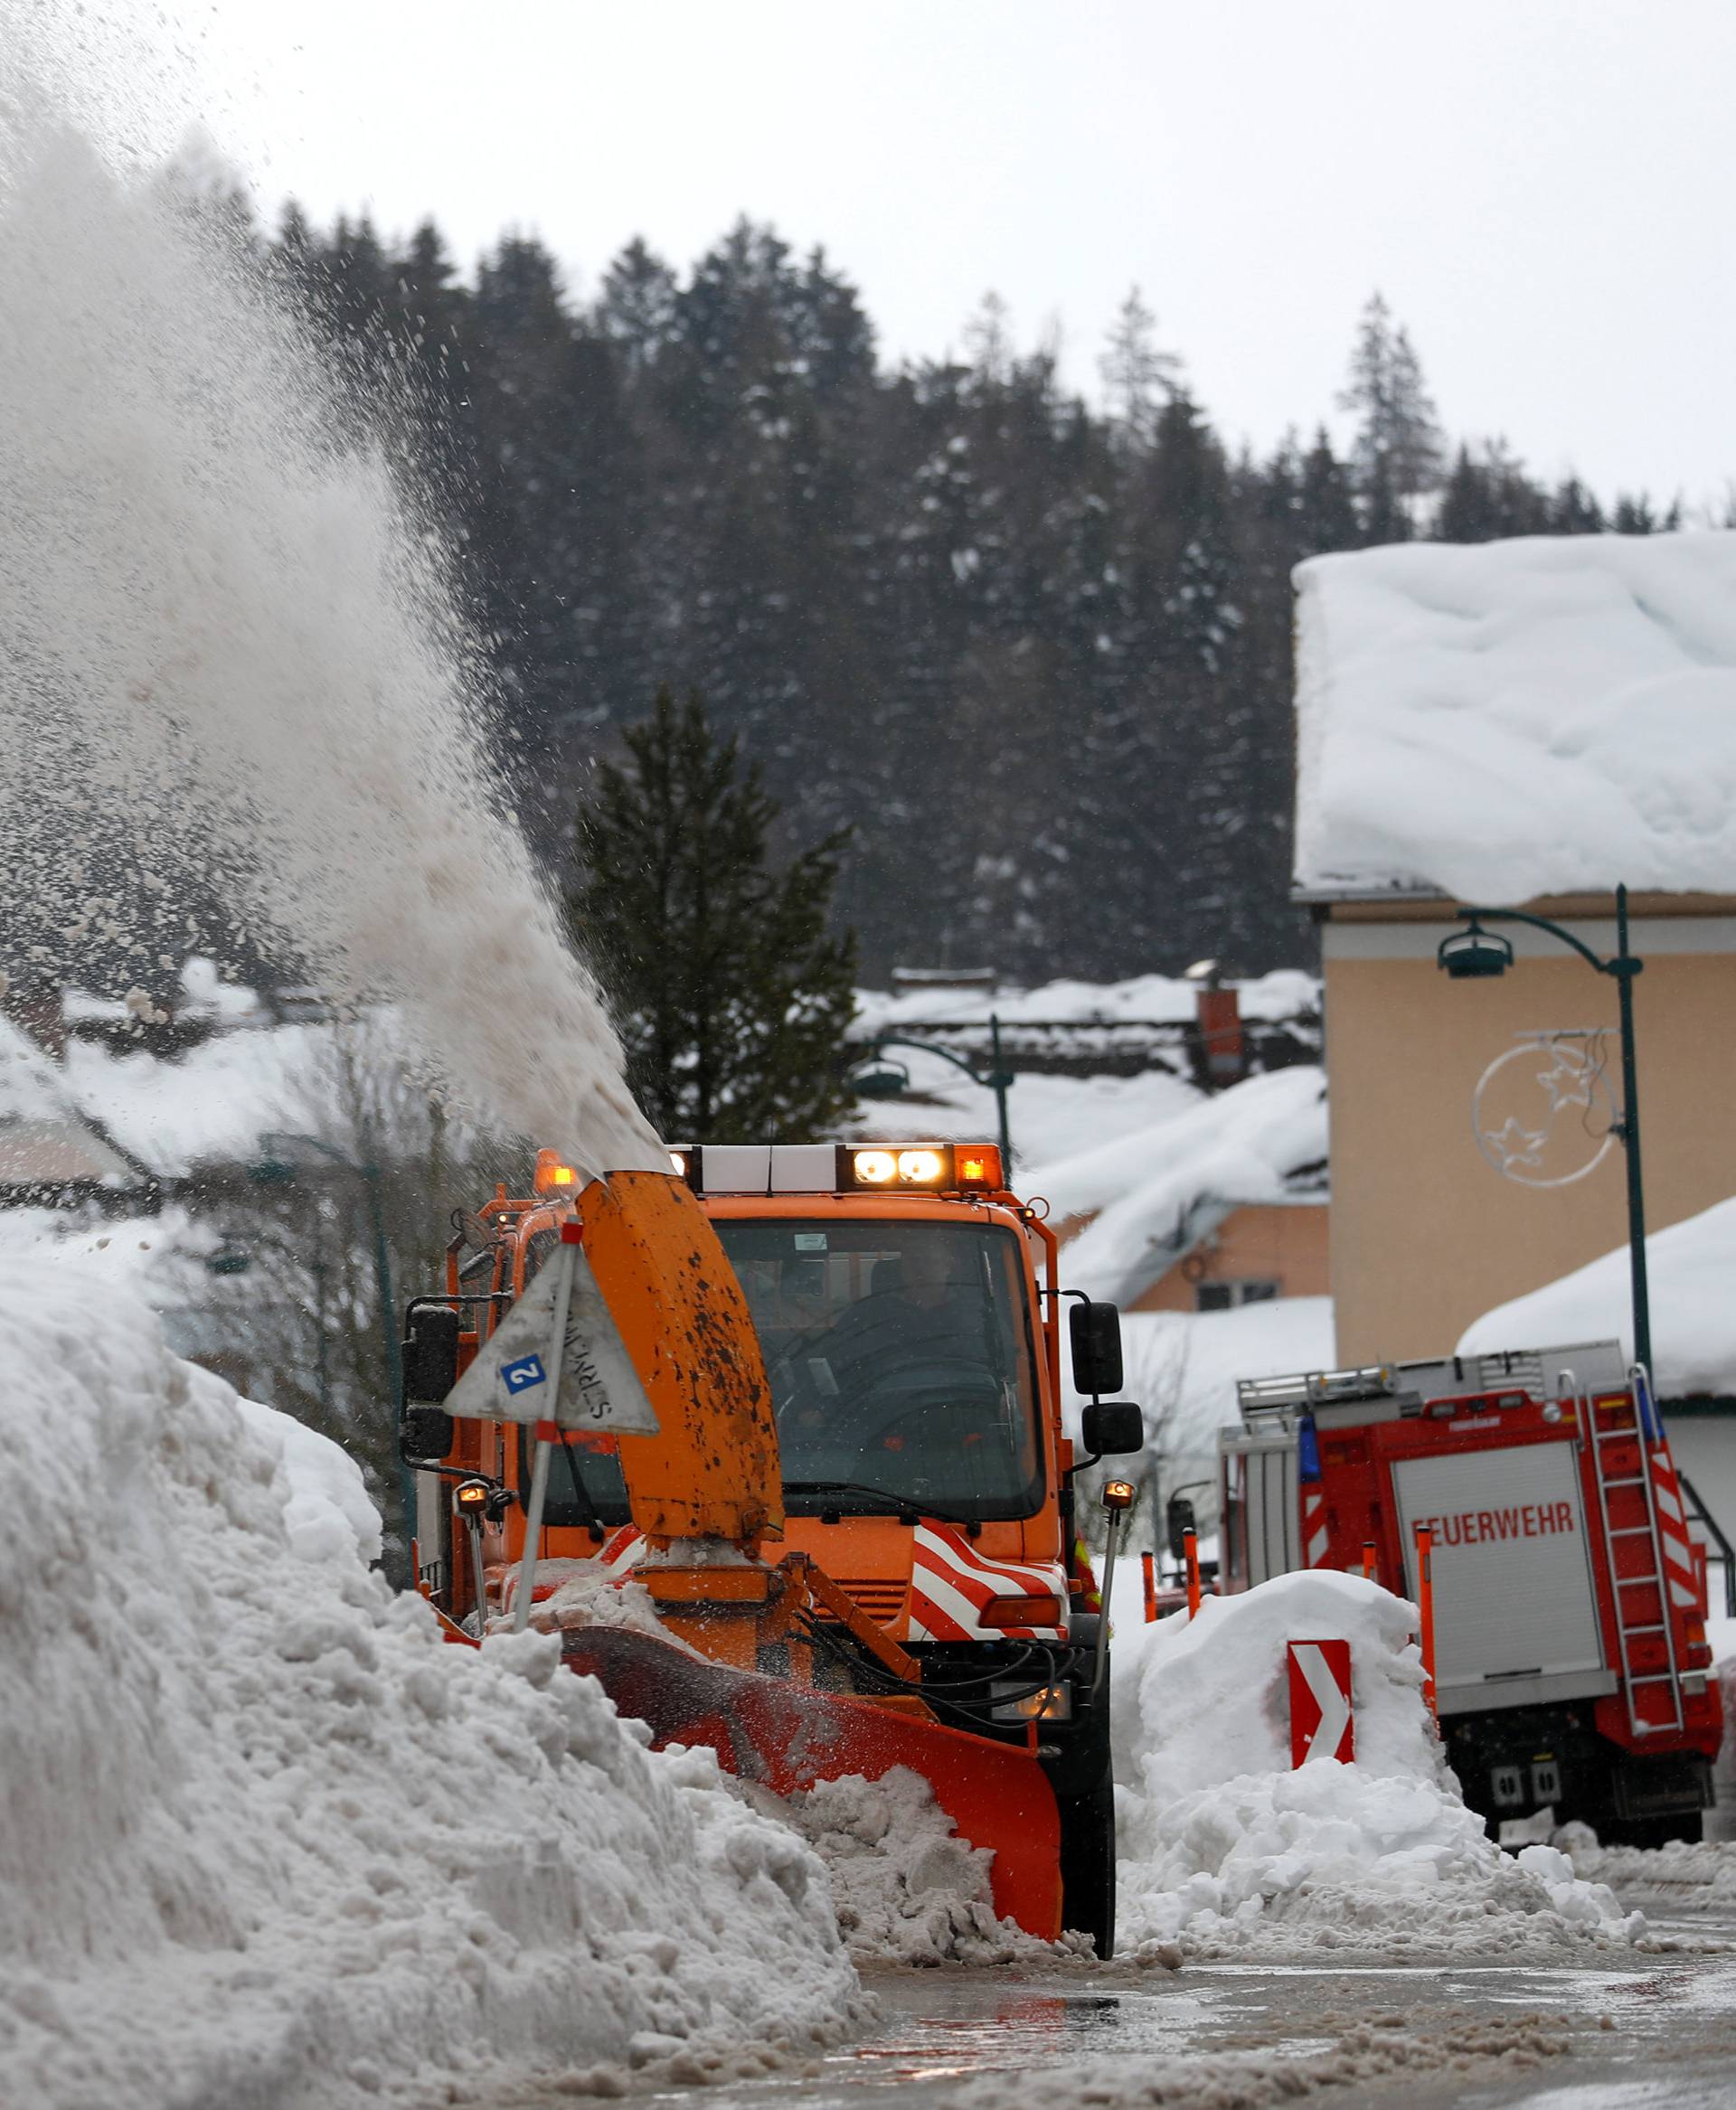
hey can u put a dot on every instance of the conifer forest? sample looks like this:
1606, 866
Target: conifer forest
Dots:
1033, 653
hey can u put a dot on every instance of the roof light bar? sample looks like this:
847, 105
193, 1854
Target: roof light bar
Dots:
844, 1168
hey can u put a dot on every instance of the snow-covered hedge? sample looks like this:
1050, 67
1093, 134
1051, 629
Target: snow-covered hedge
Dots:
265, 1838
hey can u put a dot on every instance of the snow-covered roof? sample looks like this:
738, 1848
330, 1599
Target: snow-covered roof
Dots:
45, 1139
208, 1105
1154, 1194
1286, 993
1690, 1269
1514, 719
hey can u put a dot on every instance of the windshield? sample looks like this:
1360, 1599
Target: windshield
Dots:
900, 1362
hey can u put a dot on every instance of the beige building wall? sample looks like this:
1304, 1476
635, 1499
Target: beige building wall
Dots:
1285, 1242
1426, 1235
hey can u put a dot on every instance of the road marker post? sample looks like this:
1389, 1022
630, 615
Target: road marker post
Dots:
1425, 1611
1191, 1555
1371, 1562
1149, 1572
1321, 1724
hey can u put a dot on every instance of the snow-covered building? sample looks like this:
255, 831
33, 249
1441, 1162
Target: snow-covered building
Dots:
1205, 1209
1525, 724
53, 1150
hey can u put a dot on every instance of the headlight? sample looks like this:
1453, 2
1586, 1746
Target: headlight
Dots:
876, 1168
922, 1168
1048, 1703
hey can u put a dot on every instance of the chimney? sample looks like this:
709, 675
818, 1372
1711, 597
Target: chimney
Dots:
1217, 1013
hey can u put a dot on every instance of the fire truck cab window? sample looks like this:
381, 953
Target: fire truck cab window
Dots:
898, 1362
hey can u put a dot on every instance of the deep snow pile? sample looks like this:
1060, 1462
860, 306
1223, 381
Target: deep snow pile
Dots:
265, 1838
1521, 718
1225, 1849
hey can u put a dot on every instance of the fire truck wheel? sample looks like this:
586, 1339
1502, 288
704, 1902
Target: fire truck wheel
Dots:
1087, 1865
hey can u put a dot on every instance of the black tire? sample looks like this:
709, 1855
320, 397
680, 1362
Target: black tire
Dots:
1087, 1865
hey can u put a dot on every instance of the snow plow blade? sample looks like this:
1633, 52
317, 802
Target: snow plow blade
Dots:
785, 1738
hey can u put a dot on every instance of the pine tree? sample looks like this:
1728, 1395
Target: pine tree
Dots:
732, 998
1326, 504
1398, 446
1138, 376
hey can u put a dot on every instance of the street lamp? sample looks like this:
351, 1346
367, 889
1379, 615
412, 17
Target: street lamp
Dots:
884, 1084
1479, 954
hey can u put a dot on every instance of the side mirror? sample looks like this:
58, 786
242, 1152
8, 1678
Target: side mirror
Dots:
431, 1356
1178, 1519
1112, 1427
1096, 1331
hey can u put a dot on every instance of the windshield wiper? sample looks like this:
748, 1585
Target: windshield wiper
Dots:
901, 1504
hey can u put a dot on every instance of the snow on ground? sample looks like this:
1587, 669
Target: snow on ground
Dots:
266, 1838
1380, 2060
1690, 1266
1513, 719
1707, 1871
1225, 1849
1153, 1193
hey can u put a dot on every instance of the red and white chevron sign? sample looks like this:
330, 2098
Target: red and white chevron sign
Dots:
1320, 1723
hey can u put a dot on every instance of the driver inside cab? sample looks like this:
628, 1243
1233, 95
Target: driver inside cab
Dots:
919, 1304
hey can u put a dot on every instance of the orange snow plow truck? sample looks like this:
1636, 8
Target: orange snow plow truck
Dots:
843, 1484
1572, 1663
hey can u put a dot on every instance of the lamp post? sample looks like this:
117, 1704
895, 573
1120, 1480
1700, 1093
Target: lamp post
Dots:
996, 1079
1478, 955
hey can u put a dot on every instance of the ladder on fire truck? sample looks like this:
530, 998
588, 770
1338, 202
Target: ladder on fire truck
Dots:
1639, 1586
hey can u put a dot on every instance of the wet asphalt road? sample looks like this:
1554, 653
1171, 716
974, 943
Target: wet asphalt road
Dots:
1623, 2031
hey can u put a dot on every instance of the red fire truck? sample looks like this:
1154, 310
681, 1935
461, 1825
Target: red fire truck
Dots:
1569, 1598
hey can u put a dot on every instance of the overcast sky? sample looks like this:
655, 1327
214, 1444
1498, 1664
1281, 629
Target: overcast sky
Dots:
1544, 189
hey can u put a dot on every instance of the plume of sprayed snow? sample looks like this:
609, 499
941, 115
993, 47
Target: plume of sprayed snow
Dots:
231, 653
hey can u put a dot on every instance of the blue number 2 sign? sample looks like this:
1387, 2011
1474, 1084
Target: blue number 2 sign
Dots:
520, 1376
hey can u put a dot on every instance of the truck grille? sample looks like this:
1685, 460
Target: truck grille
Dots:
881, 1599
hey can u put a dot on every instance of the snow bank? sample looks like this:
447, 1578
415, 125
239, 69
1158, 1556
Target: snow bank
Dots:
1521, 718
1706, 1871
1226, 1849
1689, 1267
1154, 1194
265, 1838
329, 1513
